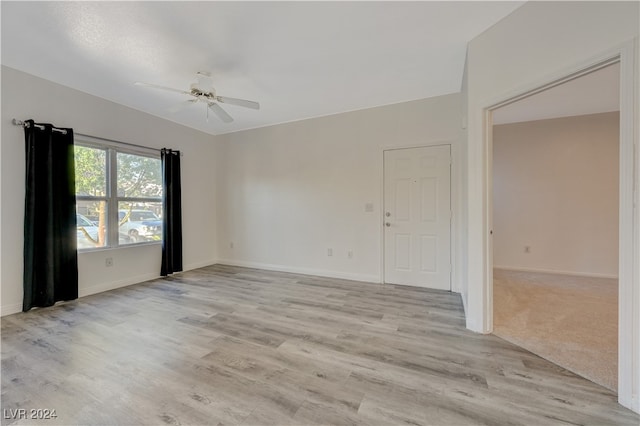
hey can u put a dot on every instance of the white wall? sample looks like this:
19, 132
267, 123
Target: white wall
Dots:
25, 96
535, 45
525, 50
289, 192
555, 190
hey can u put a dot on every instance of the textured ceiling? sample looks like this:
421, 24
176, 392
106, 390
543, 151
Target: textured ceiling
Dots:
298, 59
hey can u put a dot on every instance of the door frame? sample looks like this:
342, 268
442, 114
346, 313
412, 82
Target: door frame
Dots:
455, 194
629, 217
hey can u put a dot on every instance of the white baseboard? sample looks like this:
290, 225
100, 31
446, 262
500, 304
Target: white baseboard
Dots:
197, 265
551, 271
464, 304
10, 309
100, 288
303, 271
473, 326
136, 280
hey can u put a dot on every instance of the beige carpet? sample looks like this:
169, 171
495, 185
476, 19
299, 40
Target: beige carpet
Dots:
569, 320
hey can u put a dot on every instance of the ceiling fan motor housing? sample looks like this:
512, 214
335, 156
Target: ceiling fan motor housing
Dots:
195, 91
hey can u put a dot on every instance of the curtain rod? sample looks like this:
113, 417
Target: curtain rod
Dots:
24, 124
39, 126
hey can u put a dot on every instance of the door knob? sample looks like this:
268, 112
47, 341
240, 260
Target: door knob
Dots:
387, 224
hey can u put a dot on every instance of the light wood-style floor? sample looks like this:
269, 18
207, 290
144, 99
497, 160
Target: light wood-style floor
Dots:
227, 345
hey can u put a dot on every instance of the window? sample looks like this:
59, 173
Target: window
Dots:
118, 196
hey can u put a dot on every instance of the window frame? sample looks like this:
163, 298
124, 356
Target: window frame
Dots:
111, 199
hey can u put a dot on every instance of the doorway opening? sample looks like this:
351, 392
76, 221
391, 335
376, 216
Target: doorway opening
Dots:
555, 197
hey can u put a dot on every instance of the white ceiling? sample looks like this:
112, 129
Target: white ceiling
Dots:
298, 59
593, 93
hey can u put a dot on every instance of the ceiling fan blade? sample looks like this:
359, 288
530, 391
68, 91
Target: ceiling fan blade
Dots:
155, 86
239, 102
182, 105
222, 114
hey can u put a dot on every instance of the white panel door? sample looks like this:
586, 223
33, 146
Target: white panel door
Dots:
417, 217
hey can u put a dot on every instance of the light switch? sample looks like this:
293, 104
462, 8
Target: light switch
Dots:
368, 208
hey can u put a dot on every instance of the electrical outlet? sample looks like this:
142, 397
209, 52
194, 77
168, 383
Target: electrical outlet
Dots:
231, 244
329, 252
350, 254
108, 262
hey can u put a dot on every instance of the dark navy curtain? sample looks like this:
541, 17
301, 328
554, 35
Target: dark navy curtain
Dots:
50, 253
172, 213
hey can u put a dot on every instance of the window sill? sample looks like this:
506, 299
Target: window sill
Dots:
111, 248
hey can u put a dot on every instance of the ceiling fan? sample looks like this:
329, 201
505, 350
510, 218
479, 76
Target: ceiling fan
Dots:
203, 91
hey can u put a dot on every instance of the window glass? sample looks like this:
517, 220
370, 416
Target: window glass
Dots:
109, 177
138, 176
91, 171
139, 222
91, 224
